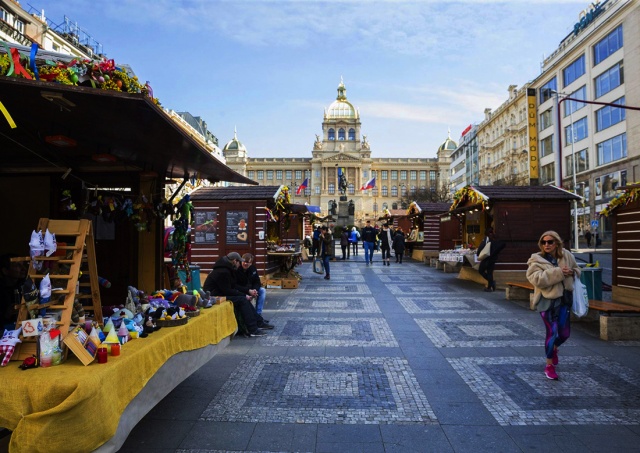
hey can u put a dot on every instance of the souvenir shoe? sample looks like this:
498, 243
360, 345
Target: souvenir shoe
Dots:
50, 244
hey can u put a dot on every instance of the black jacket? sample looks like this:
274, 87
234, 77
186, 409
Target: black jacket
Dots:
248, 278
222, 279
398, 242
369, 234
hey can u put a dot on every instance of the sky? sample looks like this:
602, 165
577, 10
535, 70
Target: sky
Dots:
415, 69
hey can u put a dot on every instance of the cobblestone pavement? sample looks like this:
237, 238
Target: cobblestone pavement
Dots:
401, 358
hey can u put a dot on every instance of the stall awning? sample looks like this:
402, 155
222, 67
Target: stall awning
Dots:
91, 130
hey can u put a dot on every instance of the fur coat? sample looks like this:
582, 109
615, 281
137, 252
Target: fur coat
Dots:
547, 279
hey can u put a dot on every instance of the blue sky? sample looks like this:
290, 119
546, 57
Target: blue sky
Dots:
270, 68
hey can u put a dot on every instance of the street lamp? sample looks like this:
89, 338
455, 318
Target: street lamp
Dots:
575, 185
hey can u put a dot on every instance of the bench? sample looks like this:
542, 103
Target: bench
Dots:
617, 321
519, 291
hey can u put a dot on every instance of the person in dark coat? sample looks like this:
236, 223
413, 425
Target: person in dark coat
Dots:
588, 237
344, 244
315, 251
248, 277
326, 244
398, 245
369, 239
386, 239
222, 281
489, 263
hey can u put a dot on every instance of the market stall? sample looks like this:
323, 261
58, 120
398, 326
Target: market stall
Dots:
435, 233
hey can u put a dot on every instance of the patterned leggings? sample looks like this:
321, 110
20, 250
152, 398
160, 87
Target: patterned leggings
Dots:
557, 322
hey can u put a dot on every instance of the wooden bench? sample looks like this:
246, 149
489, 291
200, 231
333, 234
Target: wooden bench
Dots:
519, 291
617, 321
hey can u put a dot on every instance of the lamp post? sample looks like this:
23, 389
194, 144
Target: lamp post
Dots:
575, 185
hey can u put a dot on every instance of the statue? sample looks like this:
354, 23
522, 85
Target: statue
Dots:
333, 207
317, 145
365, 143
352, 207
342, 184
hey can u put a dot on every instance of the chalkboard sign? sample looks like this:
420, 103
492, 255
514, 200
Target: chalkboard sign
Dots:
237, 227
206, 227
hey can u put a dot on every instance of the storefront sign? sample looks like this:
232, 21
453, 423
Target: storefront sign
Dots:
237, 232
532, 116
587, 16
206, 227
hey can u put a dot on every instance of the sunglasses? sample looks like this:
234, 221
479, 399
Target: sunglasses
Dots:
551, 242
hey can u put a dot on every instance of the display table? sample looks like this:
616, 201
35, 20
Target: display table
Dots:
73, 408
288, 260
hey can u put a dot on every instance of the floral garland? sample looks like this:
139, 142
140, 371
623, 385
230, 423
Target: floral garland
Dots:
413, 209
283, 200
622, 199
468, 193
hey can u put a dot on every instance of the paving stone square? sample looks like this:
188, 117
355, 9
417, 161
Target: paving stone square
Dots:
342, 390
372, 332
590, 390
395, 277
414, 289
462, 332
322, 304
445, 303
328, 287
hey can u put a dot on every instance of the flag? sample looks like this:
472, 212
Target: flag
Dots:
370, 184
302, 186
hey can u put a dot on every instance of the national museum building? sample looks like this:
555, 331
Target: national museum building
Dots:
343, 146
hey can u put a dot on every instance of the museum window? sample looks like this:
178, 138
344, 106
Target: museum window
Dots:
318, 174
413, 190
374, 192
260, 174
331, 134
608, 116
332, 188
573, 71
299, 174
613, 149
385, 191
394, 191
403, 190
548, 90
394, 175
352, 134
394, 205
341, 134
364, 175
351, 189
413, 175
403, 175
573, 106
318, 190
269, 174
582, 162
279, 175
374, 173
384, 175
288, 175
607, 46
432, 175
609, 79
577, 131
547, 173
546, 146
423, 174
250, 174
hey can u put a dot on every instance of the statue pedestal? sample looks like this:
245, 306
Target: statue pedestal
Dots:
344, 218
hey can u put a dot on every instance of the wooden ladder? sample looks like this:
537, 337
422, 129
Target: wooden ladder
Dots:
75, 255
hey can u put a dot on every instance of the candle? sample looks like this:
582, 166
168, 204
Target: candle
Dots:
115, 349
102, 355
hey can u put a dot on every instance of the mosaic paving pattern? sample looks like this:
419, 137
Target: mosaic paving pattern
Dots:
334, 305
411, 289
336, 277
343, 390
458, 333
448, 304
327, 287
590, 390
401, 278
330, 332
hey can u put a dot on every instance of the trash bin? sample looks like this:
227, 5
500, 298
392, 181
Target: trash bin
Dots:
195, 278
591, 277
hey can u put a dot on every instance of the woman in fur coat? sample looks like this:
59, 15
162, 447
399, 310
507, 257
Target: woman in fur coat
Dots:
551, 272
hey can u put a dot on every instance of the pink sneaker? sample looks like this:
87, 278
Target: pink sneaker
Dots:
550, 372
554, 359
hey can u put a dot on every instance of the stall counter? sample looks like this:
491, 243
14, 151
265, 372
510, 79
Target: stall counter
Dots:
77, 408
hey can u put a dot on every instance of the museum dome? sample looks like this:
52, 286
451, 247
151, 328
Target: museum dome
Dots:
234, 144
341, 108
448, 144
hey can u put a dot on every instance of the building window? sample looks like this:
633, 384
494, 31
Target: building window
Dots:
423, 174
432, 175
260, 174
608, 116
547, 90
546, 146
250, 174
299, 174
288, 175
394, 175
374, 191
318, 174
318, 190
351, 189
385, 191
609, 79
279, 175
573, 71
413, 174
546, 119
332, 188
582, 162
413, 190
613, 149
4, 15
394, 191
573, 106
352, 134
365, 174
403, 190
341, 134
607, 46
403, 175
269, 174
374, 173
307, 191
19, 25
384, 175
580, 131
394, 205
307, 173
332, 134
547, 173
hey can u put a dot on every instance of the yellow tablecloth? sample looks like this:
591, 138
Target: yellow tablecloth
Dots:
73, 408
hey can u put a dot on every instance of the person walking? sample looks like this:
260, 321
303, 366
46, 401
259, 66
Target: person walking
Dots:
551, 272
316, 242
386, 239
398, 245
368, 242
488, 264
344, 244
588, 237
354, 237
326, 244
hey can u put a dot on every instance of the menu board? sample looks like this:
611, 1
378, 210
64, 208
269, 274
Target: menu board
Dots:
237, 232
206, 227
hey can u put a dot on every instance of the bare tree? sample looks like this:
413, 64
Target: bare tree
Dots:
425, 195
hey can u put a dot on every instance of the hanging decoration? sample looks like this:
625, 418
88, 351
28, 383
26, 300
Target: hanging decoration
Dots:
414, 209
628, 196
183, 220
468, 193
283, 201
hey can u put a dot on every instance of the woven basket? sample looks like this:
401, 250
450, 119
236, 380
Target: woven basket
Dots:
192, 314
171, 322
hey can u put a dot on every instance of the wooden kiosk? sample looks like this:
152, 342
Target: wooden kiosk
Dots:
518, 216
